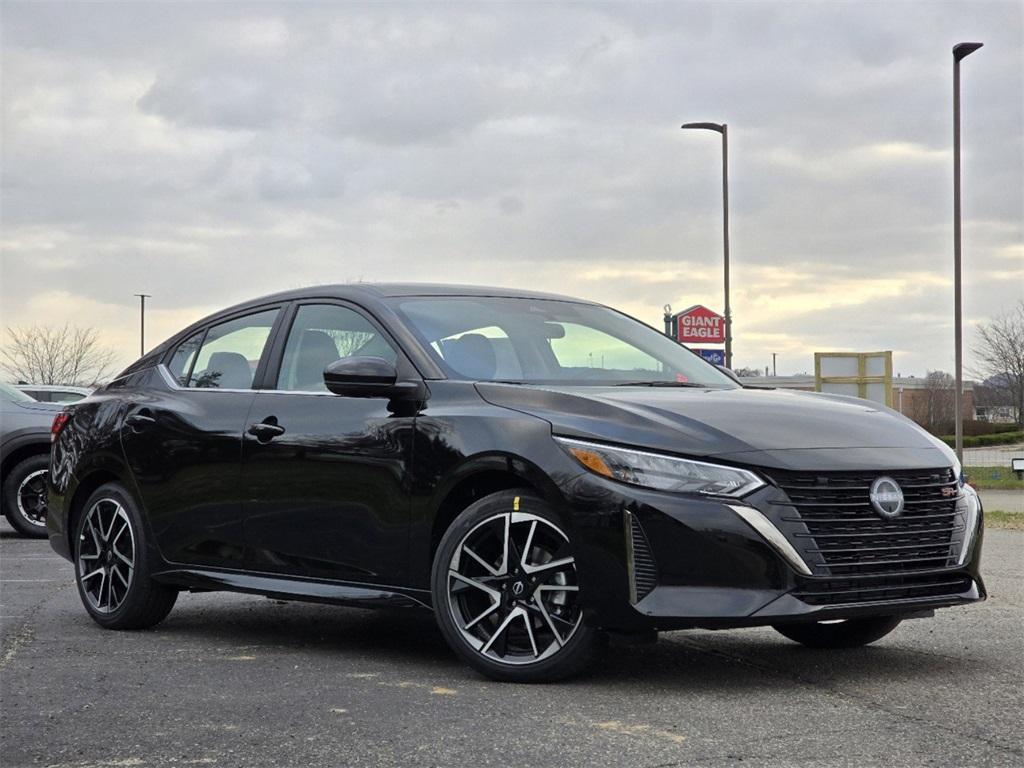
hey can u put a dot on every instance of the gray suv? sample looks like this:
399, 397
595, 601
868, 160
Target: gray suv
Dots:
24, 459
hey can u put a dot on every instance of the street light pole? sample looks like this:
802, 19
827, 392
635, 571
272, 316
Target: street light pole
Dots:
142, 322
960, 51
723, 129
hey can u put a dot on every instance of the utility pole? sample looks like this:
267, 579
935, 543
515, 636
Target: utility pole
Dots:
142, 321
960, 51
723, 129
775, 371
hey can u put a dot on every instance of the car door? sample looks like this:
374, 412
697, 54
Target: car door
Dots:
182, 438
326, 476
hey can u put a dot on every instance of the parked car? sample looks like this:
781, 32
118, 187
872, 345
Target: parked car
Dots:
54, 393
24, 459
540, 471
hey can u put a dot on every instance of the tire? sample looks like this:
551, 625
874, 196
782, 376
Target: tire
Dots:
25, 496
111, 564
851, 633
513, 617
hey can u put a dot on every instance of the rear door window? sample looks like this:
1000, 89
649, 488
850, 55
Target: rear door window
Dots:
231, 352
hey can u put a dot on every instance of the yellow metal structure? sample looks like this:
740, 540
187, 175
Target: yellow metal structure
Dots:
862, 374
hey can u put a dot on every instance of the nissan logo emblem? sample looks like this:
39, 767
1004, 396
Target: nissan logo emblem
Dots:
887, 498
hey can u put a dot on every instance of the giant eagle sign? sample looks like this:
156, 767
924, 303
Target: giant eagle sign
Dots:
699, 325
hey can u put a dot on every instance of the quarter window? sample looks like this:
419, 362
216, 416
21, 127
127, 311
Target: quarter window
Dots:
181, 361
231, 352
321, 334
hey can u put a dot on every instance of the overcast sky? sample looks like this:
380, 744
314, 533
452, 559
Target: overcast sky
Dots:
208, 153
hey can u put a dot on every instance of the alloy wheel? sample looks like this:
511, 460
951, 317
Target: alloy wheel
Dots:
106, 556
513, 590
32, 498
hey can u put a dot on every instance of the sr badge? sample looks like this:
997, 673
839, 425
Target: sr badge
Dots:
886, 498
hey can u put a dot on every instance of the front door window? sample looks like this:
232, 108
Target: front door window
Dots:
321, 334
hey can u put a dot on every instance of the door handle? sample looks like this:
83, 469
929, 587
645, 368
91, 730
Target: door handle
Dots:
266, 430
139, 421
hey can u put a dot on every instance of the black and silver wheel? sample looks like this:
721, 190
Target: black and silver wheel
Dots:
111, 568
839, 633
506, 591
106, 556
25, 496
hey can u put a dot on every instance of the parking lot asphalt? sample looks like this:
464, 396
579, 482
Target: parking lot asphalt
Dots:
234, 680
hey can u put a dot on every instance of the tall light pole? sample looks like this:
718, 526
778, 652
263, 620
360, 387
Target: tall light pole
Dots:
723, 129
960, 51
142, 322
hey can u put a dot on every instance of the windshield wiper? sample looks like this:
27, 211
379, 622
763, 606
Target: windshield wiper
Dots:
662, 384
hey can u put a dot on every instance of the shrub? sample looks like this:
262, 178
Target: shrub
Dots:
979, 441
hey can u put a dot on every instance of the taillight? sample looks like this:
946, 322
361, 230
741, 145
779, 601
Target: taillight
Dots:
58, 424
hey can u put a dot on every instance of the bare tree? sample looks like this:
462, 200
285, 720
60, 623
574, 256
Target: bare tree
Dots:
933, 406
1000, 354
349, 342
940, 388
49, 355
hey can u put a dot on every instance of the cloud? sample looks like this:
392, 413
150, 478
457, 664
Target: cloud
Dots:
210, 155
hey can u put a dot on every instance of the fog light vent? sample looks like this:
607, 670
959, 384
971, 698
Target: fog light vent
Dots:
643, 574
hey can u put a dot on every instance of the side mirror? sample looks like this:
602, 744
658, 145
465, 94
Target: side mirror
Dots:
371, 377
730, 373
361, 377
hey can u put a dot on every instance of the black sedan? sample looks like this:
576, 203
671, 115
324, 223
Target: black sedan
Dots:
540, 471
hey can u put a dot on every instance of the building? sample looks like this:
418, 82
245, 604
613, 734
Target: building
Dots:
910, 396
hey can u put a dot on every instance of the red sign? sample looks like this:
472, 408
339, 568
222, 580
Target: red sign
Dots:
699, 325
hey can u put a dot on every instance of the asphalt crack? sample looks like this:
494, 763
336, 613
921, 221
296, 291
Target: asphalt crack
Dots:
26, 632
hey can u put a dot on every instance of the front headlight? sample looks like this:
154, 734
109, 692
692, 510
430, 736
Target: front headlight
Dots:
663, 473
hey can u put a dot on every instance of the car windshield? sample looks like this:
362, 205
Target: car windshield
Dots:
12, 395
547, 341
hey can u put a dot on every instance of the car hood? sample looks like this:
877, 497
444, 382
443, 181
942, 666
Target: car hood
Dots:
767, 427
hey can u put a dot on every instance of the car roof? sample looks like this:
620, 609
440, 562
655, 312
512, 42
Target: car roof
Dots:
374, 292
396, 290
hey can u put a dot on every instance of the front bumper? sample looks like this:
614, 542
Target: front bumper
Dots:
652, 560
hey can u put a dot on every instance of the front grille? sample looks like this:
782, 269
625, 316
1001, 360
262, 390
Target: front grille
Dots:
884, 588
644, 571
832, 523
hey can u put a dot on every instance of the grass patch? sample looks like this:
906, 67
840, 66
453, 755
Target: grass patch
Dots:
994, 478
1014, 521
